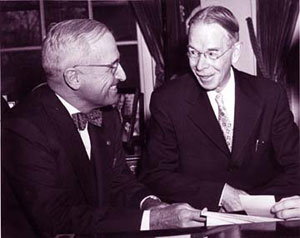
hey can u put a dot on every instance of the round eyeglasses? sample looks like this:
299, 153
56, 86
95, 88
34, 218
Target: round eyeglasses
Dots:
210, 54
113, 66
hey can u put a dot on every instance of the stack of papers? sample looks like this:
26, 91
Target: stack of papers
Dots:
258, 209
217, 219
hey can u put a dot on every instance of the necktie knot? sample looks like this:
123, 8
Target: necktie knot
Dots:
81, 119
220, 102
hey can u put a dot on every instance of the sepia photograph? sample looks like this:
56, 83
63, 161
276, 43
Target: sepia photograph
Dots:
150, 118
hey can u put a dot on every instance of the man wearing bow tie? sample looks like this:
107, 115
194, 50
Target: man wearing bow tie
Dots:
61, 146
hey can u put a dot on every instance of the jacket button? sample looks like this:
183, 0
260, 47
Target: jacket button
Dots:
108, 143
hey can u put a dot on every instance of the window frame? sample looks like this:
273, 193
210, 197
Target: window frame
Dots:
146, 62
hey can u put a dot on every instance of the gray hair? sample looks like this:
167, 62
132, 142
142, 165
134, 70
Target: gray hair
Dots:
68, 43
219, 15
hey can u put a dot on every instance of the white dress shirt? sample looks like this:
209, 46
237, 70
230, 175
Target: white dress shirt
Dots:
228, 93
85, 137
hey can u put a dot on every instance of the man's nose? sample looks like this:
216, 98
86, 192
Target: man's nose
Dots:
202, 62
120, 74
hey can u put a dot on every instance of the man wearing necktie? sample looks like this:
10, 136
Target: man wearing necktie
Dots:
217, 133
61, 146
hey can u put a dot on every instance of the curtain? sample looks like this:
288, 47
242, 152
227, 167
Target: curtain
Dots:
175, 38
162, 23
149, 17
276, 20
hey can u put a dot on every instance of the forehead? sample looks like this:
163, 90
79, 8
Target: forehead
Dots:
105, 49
204, 35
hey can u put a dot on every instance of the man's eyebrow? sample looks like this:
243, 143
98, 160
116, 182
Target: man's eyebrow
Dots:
213, 49
209, 49
189, 46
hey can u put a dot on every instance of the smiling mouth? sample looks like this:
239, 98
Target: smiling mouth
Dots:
205, 78
114, 88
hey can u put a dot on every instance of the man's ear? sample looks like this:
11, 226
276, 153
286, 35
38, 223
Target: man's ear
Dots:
71, 78
236, 52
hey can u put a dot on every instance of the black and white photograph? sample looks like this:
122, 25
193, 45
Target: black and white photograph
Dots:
150, 118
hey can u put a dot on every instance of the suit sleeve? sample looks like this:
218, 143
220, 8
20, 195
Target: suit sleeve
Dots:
54, 208
126, 190
285, 143
161, 167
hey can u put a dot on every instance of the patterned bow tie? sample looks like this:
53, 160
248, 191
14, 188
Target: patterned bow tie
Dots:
81, 119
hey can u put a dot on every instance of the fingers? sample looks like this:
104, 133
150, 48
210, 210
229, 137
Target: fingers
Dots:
196, 216
231, 200
190, 217
187, 214
287, 207
174, 216
288, 198
289, 213
195, 224
287, 203
233, 204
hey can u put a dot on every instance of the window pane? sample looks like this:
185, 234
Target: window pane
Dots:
20, 24
21, 72
118, 17
56, 11
129, 62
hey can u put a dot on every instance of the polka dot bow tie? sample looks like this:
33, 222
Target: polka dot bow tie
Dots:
81, 119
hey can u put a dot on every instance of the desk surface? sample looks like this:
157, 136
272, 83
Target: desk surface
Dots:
263, 230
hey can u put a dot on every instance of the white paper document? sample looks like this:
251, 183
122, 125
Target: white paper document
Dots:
258, 205
258, 209
217, 218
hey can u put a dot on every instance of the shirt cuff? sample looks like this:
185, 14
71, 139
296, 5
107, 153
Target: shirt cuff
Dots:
145, 224
150, 196
220, 201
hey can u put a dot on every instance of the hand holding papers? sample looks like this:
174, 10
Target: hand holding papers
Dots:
258, 209
258, 205
230, 199
287, 208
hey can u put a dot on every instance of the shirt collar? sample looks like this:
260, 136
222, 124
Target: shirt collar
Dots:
229, 87
70, 108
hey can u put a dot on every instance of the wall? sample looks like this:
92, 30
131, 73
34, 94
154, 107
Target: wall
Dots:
241, 10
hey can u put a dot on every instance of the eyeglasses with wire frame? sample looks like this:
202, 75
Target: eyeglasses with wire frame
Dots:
113, 66
194, 54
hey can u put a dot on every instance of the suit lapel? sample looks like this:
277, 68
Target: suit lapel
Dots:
202, 115
247, 113
101, 156
71, 143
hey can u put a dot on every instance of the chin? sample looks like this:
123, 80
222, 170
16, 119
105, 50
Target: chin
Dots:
209, 87
114, 100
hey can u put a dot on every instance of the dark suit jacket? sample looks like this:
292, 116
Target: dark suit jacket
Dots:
52, 176
188, 159
14, 222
